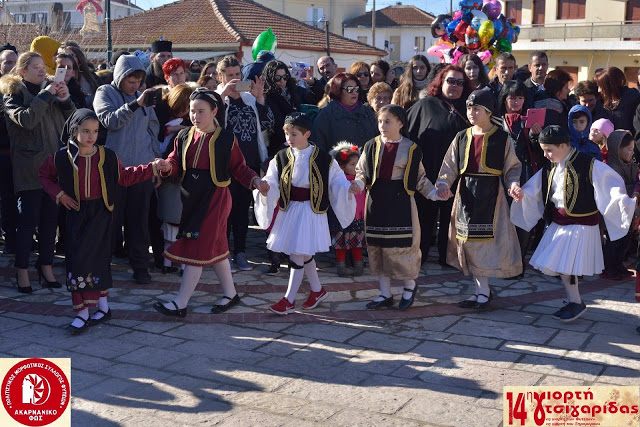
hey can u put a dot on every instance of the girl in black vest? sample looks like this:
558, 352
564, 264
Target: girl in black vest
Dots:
83, 179
391, 169
482, 240
575, 189
304, 180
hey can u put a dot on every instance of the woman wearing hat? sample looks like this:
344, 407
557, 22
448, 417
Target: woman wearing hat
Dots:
482, 241
205, 157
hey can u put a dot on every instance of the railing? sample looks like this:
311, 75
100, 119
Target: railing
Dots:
316, 24
619, 30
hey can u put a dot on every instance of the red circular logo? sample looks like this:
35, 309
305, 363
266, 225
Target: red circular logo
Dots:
35, 392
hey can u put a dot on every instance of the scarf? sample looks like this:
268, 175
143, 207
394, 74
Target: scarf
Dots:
33, 88
72, 123
420, 84
349, 108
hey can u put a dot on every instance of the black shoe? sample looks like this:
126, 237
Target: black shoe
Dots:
467, 303
178, 312
23, 289
482, 306
221, 308
273, 270
375, 305
168, 270
141, 276
47, 284
406, 303
572, 311
105, 316
75, 330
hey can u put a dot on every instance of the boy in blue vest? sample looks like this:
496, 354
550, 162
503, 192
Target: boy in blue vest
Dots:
574, 189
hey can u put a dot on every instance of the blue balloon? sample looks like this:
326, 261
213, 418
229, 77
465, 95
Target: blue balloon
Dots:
451, 27
498, 27
510, 34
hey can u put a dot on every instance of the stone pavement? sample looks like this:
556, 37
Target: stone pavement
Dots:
434, 364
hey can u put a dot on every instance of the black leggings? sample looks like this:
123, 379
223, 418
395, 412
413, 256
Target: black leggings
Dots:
37, 210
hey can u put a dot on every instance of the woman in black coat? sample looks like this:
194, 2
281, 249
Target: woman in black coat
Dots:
619, 101
434, 121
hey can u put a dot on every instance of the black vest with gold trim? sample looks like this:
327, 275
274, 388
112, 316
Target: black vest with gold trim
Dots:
319, 165
493, 148
219, 144
108, 169
373, 152
579, 196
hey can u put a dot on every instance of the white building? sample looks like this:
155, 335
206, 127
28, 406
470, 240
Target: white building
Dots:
403, 31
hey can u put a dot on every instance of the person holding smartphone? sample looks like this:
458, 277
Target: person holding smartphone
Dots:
132, 132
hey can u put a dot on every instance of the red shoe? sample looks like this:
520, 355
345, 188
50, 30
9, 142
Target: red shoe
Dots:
283, 307
610, 276
314, 299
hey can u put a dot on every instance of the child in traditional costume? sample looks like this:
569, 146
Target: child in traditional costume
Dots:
482, 240
350, 238
391, 169
304, 180
573, 189
83, 178
205, 157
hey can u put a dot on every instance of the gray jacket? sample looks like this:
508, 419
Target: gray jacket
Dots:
34, 125
132, 130
334, 124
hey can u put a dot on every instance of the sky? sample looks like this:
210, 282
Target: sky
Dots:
435, 7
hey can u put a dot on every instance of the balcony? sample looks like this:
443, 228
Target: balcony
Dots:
595, 31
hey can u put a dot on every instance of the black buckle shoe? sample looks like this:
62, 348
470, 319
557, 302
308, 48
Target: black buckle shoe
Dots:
468, 303
406, 303
75, 330
482, 306
221, 308
105, 316
375, 305
178, 312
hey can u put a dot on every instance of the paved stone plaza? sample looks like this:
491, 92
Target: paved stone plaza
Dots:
339, 364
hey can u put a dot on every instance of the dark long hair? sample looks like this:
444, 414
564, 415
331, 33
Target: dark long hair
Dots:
512, 88
399, 113
84, 72
610, 81
269, 74
483, 78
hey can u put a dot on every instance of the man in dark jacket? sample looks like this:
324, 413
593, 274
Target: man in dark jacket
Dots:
506, 68
161, 50
8, 199
327, 68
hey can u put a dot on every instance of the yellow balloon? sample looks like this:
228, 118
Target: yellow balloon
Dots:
486, 32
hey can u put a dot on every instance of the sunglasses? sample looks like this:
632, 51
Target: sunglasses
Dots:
351, 89
278, 78
365, 74
455, 82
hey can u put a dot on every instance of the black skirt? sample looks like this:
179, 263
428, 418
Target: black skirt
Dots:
88, 247
388, 219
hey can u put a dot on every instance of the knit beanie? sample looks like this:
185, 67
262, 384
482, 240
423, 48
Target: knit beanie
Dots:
605, 126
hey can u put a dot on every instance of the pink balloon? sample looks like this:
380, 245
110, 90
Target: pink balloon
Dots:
492, 8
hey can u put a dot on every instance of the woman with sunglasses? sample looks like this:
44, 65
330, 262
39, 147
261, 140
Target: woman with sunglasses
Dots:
433, 123
344, 118
361, 70
283, 96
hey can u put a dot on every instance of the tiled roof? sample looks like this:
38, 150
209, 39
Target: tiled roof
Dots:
394, 16
19, 35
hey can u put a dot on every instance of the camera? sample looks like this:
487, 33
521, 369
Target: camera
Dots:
153, 98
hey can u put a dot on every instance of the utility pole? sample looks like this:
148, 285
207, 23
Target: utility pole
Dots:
107, 18
373, 24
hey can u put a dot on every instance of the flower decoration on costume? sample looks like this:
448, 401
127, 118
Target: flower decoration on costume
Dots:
343, 150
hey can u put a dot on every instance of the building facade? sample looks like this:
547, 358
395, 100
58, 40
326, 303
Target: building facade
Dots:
579, 36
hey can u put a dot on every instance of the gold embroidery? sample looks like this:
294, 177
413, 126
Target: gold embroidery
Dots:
467, 148
103, 182
315, 181
212, 155
408, 169
196, 261
76, 181
87, 177
286, 179
483, 155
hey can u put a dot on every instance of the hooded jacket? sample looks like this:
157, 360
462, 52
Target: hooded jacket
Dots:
580, 140
34, 125
627, 170
132, 131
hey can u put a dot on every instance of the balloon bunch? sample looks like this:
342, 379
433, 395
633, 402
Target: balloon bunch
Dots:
266, 40
477, 27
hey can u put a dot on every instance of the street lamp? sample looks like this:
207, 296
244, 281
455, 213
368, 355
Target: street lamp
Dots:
326, 30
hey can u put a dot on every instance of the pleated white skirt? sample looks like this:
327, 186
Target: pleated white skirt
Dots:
569, 249
298, 230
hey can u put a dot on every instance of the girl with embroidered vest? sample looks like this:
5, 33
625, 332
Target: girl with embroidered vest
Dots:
205, 157
304, 180
391, 169
482, 241
83, 178
350, 238
574, 188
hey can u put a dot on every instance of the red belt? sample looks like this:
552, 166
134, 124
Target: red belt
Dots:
300, 194
560, 217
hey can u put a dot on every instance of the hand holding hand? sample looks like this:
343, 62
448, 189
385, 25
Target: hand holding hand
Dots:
444, 193
162, 165
536, 128
68, 202
157, 180
355, 188
262, 186
516, 192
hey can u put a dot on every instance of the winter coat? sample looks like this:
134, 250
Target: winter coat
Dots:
628, 171
34, 125
556, 114
580, 140
132, 131
334, 124
623, 115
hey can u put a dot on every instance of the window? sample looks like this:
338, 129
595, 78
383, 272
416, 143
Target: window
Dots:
20, 18
313, 15
39, 18
571, 9
362, 39
419, 44
514, 10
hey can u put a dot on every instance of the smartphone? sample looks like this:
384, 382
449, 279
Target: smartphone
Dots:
535, 115
243, 86
153, 98
60, 74
299, 69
